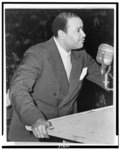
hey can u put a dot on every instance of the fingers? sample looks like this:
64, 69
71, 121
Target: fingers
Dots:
40, 132
39, 129
37, 133
44, 132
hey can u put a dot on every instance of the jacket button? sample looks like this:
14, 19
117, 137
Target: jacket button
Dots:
54, 94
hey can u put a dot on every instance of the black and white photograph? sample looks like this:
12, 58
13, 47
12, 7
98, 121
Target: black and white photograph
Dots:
59, 74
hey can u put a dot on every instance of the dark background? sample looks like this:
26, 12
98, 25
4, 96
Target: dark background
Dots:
27, 27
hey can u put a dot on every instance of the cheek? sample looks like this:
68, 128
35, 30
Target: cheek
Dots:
74, 39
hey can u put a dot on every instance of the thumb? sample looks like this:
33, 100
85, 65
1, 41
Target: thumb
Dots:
49, 125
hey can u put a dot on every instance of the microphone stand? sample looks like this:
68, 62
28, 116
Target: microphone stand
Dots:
106, 82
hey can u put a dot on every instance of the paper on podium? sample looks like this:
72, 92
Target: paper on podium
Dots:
91, 127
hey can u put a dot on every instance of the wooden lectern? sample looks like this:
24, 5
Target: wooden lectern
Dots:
90, 127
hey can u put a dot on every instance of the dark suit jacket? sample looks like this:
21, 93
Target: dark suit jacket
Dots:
40, 88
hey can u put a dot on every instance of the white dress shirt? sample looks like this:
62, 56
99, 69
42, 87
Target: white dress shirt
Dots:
65, 58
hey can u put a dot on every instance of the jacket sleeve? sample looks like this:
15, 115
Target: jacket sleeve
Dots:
22, 84
94, 72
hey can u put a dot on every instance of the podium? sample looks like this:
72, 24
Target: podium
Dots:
91, 127
97, 126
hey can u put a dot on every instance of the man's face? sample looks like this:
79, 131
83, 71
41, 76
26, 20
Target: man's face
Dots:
74, 36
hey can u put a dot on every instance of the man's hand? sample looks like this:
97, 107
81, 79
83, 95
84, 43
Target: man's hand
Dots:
39, 128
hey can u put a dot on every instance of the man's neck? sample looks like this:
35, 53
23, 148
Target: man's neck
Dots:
60, 42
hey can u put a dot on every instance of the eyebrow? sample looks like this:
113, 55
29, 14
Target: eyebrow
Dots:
80, 27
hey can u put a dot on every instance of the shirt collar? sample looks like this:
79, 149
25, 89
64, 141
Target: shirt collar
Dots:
61, 50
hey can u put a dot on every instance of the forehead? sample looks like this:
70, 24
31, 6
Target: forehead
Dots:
74, 22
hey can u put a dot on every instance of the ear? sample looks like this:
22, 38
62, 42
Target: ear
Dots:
61, 34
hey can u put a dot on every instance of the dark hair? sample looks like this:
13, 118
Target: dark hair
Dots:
60, 22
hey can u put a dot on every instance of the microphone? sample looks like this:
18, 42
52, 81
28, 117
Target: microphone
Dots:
104, 56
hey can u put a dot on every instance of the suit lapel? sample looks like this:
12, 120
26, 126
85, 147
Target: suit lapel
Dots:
58, 69
57, 66
74, 77
76, 69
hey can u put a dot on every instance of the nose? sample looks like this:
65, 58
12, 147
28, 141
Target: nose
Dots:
83, 33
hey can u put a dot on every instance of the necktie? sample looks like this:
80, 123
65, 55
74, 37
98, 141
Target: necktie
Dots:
68, 66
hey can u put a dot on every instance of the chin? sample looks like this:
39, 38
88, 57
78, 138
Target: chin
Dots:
80, 46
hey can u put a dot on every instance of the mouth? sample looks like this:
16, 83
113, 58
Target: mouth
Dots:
82, 40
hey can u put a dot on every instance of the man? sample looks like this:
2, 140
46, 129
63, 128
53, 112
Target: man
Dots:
48, 80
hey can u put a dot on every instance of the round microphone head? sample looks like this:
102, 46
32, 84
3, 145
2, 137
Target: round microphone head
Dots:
105, 54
